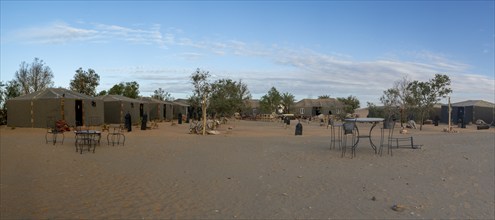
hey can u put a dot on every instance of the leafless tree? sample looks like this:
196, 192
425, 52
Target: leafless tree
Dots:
34, 77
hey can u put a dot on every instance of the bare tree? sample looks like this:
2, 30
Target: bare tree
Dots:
395, 99
202, 90
160, 94
34, 77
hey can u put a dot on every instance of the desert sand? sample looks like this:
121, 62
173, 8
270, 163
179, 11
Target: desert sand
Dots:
256, 170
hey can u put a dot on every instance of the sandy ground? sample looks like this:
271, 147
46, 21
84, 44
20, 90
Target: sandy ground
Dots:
257, 170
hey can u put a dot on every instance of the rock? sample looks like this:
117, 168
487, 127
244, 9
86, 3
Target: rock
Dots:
373, 198
398, 208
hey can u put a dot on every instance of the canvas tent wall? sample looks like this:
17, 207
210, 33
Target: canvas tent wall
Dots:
314, 107
117, 106
469, 111
158, 109
179, 107
34, 109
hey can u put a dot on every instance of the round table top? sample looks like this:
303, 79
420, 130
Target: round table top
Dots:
365, 119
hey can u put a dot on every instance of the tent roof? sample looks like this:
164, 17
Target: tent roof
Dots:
180, 102
318, 103
153, 100
479, 103
53, 93
113, 98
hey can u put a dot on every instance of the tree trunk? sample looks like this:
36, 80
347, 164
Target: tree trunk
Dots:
203, 112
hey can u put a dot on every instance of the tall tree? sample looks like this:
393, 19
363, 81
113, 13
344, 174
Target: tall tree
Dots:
228, 96
270, 101
202, 90
34, 77
350, 103
395, 98
85, 82
287, 101
117, 89
424, 95
129, 89
160, 94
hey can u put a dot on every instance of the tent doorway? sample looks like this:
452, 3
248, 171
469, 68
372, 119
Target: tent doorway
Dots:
316, 111
165, 111
79, 113
460, 114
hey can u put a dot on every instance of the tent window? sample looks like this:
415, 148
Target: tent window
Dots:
132, 105
93, 103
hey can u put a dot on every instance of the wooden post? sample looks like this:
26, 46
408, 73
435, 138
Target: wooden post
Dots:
62, 108
450, 116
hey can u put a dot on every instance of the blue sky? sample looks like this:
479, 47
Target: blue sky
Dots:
307, 48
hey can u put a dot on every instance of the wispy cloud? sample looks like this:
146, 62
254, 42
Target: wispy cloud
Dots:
62, 33
55, 33
300, 71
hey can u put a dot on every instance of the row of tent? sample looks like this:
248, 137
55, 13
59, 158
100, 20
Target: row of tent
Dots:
37, 109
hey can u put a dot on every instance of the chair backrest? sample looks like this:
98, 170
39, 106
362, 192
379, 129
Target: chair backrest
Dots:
51, 123
349, 127
390, 127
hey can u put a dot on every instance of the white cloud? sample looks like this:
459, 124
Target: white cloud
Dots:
55, 33
300, 71
61, 33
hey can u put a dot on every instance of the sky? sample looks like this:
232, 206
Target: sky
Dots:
305, 48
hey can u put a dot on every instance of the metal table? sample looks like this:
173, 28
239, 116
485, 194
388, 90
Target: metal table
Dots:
375, 121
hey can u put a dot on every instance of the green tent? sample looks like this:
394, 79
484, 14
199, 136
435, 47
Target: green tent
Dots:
35, 109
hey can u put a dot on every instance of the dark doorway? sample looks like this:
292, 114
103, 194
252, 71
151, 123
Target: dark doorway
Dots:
460, 114
79, 113
316, 111
165, 111
141, 110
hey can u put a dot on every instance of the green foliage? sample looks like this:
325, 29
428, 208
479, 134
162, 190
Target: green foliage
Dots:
85, 82
102, 93
324, 97
117, 89
129, 89
160, 94
350, 103
287, 101
270, 101
375, 111
424, 95
228, 96
7, 91
34, 77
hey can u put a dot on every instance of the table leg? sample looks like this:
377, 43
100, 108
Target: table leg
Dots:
371, 141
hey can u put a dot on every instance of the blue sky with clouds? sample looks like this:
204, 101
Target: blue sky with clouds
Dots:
307, 48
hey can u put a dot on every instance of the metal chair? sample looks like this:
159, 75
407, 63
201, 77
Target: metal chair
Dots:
349, 129
394, 140
335, 133
53, 131
115, 133
387, 132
